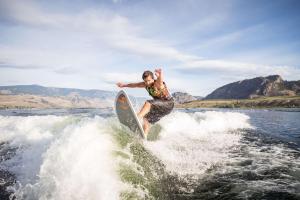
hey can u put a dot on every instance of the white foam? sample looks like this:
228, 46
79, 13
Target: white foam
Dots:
60, 159
68, 157
190, 143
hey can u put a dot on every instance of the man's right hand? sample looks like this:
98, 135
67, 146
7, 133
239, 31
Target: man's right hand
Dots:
120, 85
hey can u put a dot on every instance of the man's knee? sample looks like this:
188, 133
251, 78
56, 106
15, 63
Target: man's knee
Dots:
145, 121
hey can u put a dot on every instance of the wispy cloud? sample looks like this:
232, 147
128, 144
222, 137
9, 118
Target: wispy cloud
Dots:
239, 68
111, 29
96, 37
118, 32
66, 70
230, 38
114, 77
14, 66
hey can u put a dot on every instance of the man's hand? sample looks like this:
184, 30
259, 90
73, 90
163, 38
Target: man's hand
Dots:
157, 72
160, 78
120, 85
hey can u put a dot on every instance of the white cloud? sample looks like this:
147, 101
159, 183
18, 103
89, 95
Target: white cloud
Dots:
107, 31
111, 29
66, 70
117, 32
115, 77
239, 68
227, 38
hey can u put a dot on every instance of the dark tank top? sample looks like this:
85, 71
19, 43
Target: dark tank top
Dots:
156, 93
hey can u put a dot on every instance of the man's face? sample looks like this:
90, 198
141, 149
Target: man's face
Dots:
148, 80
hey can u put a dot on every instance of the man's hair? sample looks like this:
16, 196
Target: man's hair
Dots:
147, 73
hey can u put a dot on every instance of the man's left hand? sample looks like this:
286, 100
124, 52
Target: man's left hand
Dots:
157, 72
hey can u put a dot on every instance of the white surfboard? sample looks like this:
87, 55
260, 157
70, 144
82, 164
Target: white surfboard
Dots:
127, 115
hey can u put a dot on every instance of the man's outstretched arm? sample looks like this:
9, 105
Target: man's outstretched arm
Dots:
131, 85
160, 77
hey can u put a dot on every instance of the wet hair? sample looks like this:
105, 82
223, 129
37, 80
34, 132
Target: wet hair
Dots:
147, 73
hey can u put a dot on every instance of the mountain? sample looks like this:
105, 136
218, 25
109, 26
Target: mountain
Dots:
183, 97
272, 85
198, 97
53, 91
293, 86
36, 96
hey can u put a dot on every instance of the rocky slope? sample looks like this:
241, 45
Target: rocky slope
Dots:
37, 101
36, 96
268, 86
54, 91
182, 97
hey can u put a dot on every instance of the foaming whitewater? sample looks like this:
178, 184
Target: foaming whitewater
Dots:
191, 143
189, 155
60, 157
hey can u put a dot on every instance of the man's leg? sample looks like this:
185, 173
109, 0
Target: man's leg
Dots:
146, 126
145, 109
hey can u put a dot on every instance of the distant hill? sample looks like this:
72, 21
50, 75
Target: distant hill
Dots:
54, 91
268, 86
198, 97
183, 97
36, 96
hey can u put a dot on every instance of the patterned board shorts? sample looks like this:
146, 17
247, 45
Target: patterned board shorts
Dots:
159, 108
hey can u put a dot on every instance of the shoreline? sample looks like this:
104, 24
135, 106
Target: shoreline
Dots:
257, 103
24, 102
28, 101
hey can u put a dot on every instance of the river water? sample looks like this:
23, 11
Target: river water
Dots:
66, 154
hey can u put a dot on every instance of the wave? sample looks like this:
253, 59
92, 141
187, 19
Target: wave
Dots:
81, 157
191, 143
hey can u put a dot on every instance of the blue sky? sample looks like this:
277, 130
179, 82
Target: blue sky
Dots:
200, 45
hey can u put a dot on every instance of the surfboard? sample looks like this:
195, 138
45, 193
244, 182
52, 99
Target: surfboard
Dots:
127, 115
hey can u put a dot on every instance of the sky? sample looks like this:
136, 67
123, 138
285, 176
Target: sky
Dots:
200, 45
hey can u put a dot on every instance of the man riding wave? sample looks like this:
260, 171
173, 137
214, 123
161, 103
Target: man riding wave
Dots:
161, 104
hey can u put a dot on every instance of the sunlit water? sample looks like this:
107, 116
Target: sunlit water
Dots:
192, 154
